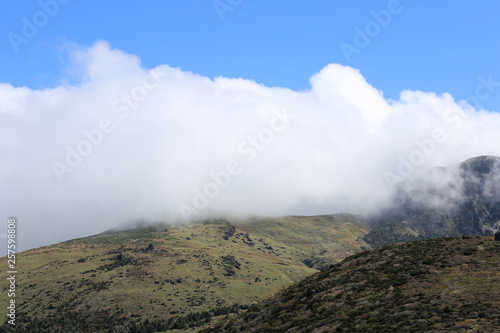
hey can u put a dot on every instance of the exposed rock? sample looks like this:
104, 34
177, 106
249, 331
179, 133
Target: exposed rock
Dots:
121, 259
230, 232
231, 260
230, 263
451, 201
121, 256
317, 262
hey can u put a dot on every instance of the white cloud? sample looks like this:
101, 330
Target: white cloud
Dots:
168, 129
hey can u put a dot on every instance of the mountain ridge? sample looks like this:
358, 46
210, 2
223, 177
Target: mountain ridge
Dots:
151, 277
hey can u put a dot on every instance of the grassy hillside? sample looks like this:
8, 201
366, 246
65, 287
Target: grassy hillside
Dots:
173, 277
446, 284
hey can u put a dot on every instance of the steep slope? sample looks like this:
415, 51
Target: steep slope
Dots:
173, 277
452, 201
446, 284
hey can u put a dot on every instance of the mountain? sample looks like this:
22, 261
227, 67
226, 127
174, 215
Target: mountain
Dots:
445, 284
451, 201
158, 277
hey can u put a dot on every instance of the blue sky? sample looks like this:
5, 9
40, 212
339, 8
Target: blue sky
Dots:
439, 46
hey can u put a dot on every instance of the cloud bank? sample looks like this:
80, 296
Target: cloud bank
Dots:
129, 142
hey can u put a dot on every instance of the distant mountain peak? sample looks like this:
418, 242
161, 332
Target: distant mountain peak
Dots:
457, 200
481, 164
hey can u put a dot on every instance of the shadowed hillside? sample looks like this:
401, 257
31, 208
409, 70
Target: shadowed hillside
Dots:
446, 284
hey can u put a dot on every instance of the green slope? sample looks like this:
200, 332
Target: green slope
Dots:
213, 267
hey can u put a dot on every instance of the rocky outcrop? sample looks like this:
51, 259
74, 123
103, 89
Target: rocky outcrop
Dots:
452, 201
